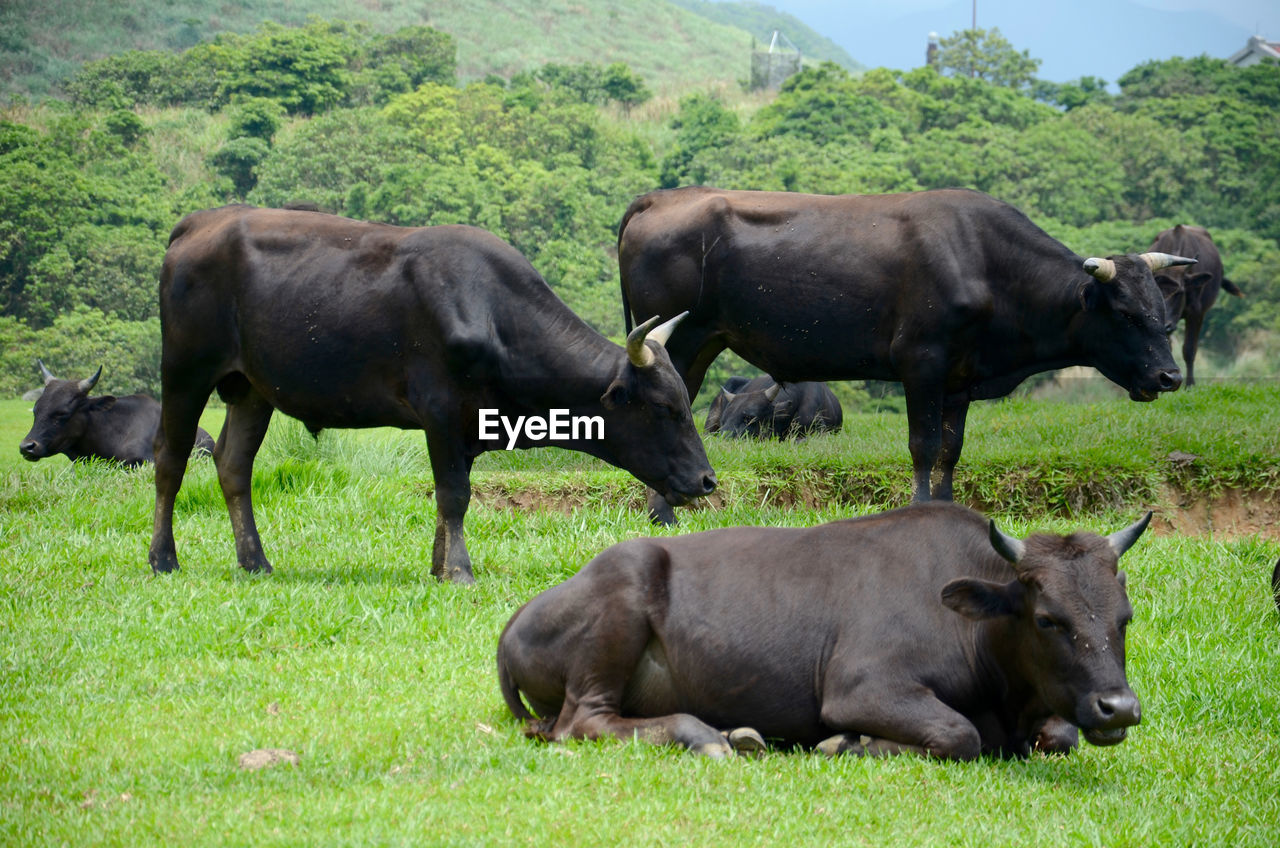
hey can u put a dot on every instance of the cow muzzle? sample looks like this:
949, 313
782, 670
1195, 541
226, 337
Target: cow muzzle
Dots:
31, 450
1165, 381
1112, 714
679, 495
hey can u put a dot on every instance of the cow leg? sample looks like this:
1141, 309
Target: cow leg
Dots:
451, 469
179, 420
898, 719
237, 445
676, 729
1190, 342
953, 418
924, 439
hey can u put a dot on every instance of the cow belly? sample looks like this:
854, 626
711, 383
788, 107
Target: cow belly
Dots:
776, 707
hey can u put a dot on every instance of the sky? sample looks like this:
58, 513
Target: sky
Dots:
1072, 38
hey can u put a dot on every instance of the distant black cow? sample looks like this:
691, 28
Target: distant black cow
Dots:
1190, 291
952, 293
69, 422
1275, 583
341, 323
762, 408
925, 629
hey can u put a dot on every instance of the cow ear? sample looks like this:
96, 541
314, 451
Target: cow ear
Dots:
616, 395
1089, 296
979, 600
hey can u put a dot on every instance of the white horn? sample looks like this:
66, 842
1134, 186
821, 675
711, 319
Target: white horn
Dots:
1102, 270
45, 372
772, 392
1159, 261
640, 356
661, 333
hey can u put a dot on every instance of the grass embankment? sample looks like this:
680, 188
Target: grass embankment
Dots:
125, 700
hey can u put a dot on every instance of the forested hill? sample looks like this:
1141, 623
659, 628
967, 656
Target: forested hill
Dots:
673, 45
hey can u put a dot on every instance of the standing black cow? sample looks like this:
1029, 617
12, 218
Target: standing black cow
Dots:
342, 323
762, 408
952, 293
1189, 292
69, 422
926, 629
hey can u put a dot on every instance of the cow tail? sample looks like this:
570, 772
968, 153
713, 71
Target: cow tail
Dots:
637, 205
511, 692
1230, 287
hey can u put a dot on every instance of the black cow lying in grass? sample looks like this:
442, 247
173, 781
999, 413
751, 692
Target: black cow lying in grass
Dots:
763, 409
924, 630
69, 422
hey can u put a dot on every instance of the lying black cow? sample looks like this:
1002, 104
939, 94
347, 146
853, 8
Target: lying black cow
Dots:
763, 409
925, 629
1189, 292
342, 323
69, 422
952, 293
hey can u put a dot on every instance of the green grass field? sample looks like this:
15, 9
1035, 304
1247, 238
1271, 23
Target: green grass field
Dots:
125, 699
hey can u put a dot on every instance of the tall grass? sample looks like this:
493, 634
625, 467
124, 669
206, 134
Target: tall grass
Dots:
125, 699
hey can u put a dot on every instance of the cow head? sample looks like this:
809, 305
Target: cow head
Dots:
756, 413
59, 419
1124, 321
1065, 615
649, 428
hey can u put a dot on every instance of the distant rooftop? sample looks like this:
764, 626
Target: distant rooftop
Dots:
1255, 51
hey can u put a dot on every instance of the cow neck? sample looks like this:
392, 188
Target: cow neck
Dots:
574, 372
1049, 305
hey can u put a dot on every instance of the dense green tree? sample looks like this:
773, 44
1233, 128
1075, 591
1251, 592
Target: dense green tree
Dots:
986, 55
703, 122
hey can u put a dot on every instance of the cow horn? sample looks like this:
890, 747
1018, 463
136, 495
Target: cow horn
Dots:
662, 332
1007, 546
728, 395
640, 356
1160, 261
1102, 270
1122, 540
771, 393
86, 385
45, 372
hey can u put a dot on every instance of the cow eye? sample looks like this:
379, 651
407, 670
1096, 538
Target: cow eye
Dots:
1045, 622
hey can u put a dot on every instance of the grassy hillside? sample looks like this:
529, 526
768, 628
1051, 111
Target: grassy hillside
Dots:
761, 20
43, 41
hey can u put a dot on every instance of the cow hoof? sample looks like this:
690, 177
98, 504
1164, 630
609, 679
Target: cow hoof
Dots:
844, 743
461, 576
746, 742
164, 567
714, 750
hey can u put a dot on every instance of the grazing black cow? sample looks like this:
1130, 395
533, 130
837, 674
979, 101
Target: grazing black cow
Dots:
341, 323
763, 409
952, 293
1189, 292
925, 629
69, 422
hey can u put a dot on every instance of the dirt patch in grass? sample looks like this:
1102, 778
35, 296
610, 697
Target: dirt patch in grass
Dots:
1230, 513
